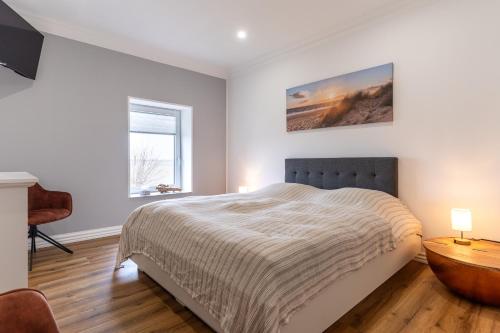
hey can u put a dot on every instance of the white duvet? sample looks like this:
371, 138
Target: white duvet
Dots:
254, 259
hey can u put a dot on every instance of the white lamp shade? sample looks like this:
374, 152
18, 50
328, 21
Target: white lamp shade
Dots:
461, 219
243, 189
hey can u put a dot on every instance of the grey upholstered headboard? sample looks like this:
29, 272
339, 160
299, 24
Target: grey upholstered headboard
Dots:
376, 173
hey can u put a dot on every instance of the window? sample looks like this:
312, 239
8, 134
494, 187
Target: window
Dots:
155, 146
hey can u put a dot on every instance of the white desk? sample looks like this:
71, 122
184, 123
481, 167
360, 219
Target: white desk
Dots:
13, 234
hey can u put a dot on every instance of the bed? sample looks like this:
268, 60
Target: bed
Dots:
291, 257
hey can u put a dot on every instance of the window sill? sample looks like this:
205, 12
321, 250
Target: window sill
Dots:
158, 194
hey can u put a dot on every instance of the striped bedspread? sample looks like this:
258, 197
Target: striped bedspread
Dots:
254, 259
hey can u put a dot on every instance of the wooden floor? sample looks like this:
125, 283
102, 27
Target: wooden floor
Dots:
88, 295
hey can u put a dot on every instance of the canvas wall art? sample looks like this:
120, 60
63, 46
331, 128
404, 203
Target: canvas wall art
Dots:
360, 97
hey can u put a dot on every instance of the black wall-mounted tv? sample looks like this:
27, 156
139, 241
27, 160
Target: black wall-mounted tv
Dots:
20, 43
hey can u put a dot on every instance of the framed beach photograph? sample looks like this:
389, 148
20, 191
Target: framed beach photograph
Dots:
360, 97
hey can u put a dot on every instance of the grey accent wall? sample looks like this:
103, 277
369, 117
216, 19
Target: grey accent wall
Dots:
69, 127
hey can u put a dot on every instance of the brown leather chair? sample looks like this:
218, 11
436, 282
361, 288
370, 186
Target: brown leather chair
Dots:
45, 207
26, 311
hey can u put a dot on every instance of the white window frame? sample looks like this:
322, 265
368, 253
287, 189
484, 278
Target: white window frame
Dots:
179, 112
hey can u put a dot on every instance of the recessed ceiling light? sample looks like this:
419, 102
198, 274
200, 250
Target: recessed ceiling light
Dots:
241, 34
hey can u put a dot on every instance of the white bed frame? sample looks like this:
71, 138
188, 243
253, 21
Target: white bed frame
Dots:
323, 310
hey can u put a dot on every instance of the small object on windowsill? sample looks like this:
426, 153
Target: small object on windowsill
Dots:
162, 188
145, 192
158, 194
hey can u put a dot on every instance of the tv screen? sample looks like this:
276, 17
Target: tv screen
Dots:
20, 43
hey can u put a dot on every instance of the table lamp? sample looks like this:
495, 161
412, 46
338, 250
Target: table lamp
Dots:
461, 220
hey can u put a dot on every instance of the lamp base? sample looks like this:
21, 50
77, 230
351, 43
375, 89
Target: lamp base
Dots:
462, 241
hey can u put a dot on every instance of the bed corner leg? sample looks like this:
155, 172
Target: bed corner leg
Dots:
180, 302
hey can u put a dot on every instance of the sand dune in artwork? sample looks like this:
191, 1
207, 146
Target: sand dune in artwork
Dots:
369, 105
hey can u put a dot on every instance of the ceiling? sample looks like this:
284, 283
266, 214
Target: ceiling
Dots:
200, 34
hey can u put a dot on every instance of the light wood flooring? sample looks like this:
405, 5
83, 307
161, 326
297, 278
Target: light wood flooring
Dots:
88, 295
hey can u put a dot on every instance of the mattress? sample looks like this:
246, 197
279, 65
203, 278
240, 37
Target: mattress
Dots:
252, 261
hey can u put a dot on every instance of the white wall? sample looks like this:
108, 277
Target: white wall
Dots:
69, 127
446, 130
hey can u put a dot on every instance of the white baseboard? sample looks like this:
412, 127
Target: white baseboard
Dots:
421, 257
79, 236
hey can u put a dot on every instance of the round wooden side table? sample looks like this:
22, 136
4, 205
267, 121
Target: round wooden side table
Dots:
472, 271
